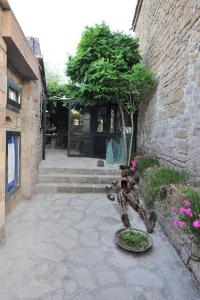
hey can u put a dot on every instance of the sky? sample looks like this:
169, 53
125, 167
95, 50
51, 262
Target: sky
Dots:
59, 24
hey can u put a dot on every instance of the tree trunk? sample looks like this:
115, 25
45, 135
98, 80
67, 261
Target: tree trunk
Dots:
124, 133
135, 125
131, 140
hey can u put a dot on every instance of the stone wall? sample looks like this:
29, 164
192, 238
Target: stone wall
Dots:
31, 135
25, 119
3, 87
169, 122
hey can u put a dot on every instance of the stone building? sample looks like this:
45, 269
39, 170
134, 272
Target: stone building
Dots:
169, 122
22, 85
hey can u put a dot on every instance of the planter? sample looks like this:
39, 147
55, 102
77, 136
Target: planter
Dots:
133, 248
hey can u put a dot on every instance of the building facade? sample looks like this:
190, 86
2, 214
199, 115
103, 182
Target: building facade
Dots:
169, 121
22, 86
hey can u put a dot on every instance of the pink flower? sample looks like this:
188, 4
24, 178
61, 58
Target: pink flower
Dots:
175, 223
189, 212
134, 163
174, 209
182, 210
186, 202
182, 223
196, 224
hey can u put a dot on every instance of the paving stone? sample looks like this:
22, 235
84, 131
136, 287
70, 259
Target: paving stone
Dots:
72, 233
144, 277
90, 238
84, 278
65, 254
107, 277
70, 287
116, 293
37, 288
86, 256
84, 296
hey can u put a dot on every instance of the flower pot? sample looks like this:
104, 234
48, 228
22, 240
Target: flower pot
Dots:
134, 249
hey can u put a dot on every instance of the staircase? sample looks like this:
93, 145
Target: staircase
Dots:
74, 180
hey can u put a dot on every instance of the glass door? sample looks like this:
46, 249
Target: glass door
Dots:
79, 134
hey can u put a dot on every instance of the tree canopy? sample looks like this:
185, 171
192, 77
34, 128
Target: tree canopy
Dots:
107, 67
99, 69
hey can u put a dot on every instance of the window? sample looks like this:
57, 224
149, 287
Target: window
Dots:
12, 162
101, 119
14, 93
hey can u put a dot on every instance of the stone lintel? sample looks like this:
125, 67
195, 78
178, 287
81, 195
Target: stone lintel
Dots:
18, 50
4, 4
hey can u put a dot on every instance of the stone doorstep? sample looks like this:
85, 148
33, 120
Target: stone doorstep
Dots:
100, 171
76, 178
70, 188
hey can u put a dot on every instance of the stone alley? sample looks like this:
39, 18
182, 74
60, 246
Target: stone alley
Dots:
61, 247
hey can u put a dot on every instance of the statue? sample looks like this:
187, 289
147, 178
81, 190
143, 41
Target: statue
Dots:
127, 194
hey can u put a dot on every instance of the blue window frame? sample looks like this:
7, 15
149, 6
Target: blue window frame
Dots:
12, 162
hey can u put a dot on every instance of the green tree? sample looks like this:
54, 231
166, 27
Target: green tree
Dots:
106, 67
56, 88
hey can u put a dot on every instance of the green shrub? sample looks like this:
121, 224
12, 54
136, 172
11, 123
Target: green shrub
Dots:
136, 239
156, 179
146, 162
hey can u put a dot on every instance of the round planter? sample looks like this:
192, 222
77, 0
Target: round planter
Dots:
119, 241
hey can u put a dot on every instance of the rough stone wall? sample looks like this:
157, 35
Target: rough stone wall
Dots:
169, 122
3, 88
31, 135
26, 120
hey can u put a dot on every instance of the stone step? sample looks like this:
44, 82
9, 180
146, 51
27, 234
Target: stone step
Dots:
76, 178
69, 188
100, 171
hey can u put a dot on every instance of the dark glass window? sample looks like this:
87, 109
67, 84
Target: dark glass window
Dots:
14, 94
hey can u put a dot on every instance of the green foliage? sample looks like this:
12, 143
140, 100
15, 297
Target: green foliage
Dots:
55, 87
139, 82
107, 68
136, 239
146, 162
156, 179
57, 90
102, 60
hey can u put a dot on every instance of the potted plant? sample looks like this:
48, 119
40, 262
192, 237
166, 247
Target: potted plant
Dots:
133, 240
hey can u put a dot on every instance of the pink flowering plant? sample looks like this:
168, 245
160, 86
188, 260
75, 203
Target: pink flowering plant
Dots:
187, 214
143, 162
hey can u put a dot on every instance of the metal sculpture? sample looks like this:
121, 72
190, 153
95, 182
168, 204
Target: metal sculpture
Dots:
128, 194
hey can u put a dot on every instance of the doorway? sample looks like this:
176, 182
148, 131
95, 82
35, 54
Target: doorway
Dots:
79, 131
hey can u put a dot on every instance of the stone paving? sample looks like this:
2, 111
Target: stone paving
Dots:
58, 158
61, 247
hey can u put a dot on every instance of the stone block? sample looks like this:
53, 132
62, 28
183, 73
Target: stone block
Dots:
195, 268
181, 134
2, 213
2, 235
195, 251
3, 81
196, 131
